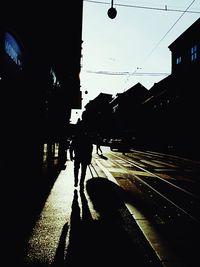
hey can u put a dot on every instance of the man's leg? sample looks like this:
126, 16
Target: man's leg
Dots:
76, 171
83, 173
100, 149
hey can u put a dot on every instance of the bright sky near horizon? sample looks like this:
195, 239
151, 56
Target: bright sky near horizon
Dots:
133, 47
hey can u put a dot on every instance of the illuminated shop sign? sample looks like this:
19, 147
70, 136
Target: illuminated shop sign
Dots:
12, 49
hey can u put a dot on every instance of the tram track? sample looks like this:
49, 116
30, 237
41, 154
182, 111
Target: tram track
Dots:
170, 226
177, 201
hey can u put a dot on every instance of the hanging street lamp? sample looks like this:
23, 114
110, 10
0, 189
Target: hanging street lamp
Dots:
112, 12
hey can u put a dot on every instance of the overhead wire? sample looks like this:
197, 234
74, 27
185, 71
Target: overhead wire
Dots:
129, 73
185, 11
142, 73
135, 73
144, 7
151, 52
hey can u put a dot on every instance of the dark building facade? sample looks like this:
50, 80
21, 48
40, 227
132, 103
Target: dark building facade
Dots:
126, 110
96, 116
40, 52
185, 51
172, 108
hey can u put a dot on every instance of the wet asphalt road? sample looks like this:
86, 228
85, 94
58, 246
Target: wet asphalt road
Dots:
90, 226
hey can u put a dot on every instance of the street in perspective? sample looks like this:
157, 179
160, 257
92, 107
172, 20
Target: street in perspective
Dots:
140, 206
100, 162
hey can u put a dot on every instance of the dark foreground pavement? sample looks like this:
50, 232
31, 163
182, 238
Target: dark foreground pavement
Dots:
61, 225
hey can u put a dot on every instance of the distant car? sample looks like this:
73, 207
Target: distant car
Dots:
122, 144
116, 144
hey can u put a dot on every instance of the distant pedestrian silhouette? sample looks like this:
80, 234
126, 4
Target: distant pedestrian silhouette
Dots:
98, 144
81, 153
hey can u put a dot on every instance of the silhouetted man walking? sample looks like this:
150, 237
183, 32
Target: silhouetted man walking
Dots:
81, 152
98, 144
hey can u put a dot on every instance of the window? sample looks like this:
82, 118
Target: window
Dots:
194, 53
115, 108
12, 49
178, 60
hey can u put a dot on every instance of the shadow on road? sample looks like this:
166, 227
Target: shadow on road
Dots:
103, 157
97, 242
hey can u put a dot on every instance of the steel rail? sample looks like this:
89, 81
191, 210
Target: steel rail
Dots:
157, 192
157, 176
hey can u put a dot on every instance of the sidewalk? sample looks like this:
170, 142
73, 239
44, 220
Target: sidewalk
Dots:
89, 226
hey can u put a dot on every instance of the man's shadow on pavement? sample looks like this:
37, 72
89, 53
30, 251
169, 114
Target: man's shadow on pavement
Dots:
97, 240
102, 156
